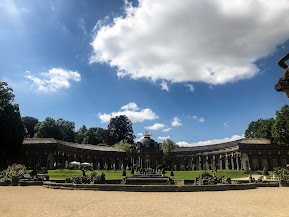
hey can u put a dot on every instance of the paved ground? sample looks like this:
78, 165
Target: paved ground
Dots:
39, 201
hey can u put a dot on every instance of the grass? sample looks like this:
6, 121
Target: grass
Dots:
193, 174
63, 174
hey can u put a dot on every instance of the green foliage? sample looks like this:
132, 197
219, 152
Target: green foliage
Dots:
11, 126
280, 129
175, 167
48, 129
183, 168
260, 129
265, 172
119, 128
93, 136
282, 173
80, 134
16, 170
29, 124
124, 145
167, 146
60, 129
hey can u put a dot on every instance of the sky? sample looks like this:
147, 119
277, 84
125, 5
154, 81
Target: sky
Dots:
195, 71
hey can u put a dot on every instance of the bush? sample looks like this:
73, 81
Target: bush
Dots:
183, 168
175, 167
265, 172
93, 174
163, 171
282, 173
172, 173
14, 171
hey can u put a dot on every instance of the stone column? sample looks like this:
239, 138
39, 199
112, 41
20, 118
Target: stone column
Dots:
214, 162
200, 163
237, 159
192, 164
207, 163
221, 163
232, 162
227, 162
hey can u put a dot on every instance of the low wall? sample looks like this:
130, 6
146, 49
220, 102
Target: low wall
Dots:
148, 188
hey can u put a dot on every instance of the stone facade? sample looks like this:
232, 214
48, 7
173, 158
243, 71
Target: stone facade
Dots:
243, 154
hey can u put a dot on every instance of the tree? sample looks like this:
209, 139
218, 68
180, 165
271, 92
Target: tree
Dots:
260, 129
93, 136
167, 146
11, 126
280, 128
48, 129
67, 130
80, 134
119, 128
125, 146
29, 124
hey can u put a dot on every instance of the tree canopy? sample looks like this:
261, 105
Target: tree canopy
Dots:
125, 146
119, 128
29, 124
11, 126
260, 129
167, 146
93, 136
79, 136
280, 128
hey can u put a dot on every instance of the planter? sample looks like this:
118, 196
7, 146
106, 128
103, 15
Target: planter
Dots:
284, 183
15, 181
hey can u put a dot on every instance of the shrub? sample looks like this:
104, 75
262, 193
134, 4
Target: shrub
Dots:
282, 173
163, 171
14, 171
175, 167
172, 173
265, 172
93, 174
183, 168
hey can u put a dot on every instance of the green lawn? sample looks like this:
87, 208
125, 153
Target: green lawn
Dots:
63, 174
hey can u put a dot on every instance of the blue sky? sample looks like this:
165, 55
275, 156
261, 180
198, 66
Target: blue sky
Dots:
197, 72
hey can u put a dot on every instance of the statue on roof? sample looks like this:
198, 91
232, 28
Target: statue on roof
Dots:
147, 134
283, 83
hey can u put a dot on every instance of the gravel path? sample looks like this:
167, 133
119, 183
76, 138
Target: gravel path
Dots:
39, 201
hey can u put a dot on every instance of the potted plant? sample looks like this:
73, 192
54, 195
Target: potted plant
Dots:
283, 176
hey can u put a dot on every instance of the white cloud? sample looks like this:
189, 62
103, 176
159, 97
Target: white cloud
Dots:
137, 115
164, 86
166, 130
131, 106
139, 134
192, 41
54, 79
82, 26
210, 142
191, 87
226, 123
163, 137
176, 122
202, 120
195, 117
156, 126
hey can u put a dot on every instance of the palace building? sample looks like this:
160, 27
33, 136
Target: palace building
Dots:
243, 154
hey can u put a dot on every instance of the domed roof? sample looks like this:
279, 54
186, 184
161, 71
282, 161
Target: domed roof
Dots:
147, 142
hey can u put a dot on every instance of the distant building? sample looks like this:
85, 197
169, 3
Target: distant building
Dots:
243, 154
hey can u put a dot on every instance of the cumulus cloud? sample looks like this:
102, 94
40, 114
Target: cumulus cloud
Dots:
166, 130
132, 111
195, 117
156, 126
164, 86
192, 41
191, 87
54, 80
176, 122
163, 137
210, 142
